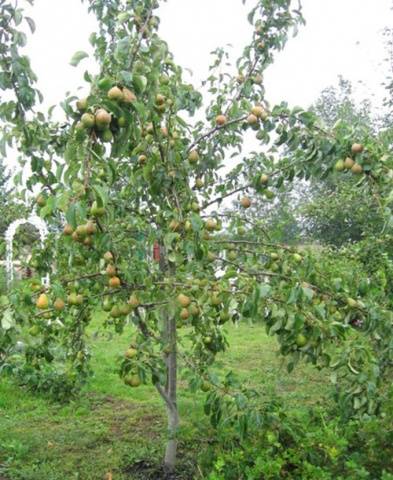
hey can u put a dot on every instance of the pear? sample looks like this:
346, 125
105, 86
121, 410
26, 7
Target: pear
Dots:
108, 256
102, 118
114, 282
263, 179
193, 156
131, 353
252, 119
128, 96
357, 168
245, 202
115, 94
221, 120
340, 165
301, 340
357, 148
210, 224
134, 301
42, 302
59, 304
88, 120
132, 381
68, 230
348, 163
183, 300
81, 104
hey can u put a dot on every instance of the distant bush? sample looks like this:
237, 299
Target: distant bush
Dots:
305, 445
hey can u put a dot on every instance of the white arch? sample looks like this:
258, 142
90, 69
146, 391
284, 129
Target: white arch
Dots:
40, 225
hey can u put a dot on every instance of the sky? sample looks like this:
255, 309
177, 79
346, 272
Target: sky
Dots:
340, 37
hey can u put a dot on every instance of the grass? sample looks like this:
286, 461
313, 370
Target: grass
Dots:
112, 428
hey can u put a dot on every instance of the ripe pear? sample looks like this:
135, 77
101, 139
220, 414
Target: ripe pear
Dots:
357, 168
193, 156
115, 94
102, 118
134, 301
91, 227
357, 148
41, 200
245, 202
67, 230
184, 314
221, 120
183, 300
142, 159
160, 99
88, 120
348, 163
108, 256
111, 270
259, 112
252, 119
59, 304
128, 96
42, 301
114, 282
81, 231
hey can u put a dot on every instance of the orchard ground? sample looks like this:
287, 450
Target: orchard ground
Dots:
118, 429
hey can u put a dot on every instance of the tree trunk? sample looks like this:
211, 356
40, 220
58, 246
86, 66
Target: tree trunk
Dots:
171, 393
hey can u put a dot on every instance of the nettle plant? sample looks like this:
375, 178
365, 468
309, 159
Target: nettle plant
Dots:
133, 190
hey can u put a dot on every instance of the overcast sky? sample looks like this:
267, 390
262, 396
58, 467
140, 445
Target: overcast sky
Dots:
341, 37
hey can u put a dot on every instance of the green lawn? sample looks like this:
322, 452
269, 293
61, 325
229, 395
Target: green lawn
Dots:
114, 428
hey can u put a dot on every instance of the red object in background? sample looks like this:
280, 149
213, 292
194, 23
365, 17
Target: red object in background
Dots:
156, 251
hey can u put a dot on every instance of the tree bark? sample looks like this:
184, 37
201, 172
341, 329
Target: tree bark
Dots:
171, 392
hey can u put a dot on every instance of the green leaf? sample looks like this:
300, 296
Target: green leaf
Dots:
77, 57
7, 321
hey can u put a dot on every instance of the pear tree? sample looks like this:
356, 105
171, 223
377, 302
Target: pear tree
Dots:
133, 187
